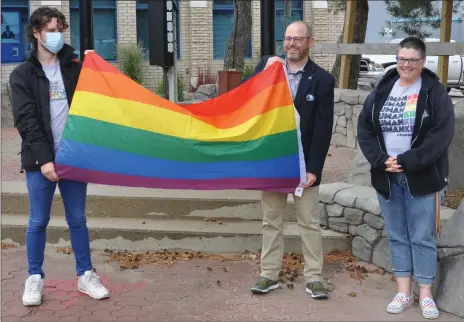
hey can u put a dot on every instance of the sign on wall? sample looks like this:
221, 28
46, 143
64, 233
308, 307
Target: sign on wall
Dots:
11, 35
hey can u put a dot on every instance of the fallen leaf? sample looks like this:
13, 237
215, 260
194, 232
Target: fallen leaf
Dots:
64, 250
330, 287
218, 283
143, 222
224, 269
352, 294
209, 269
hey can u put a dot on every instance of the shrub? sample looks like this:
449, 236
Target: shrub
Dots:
131, 59
204, 76
247, 71
159, 90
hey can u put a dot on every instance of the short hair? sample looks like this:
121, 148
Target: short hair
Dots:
413, 43
309, 29
40, 17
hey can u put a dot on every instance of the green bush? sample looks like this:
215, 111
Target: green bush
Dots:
131, 58
247, 71
159, 90
180, 88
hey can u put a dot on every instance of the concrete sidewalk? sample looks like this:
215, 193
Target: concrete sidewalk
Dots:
197, 289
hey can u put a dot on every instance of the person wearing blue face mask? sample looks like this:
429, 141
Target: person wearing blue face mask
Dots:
42, 89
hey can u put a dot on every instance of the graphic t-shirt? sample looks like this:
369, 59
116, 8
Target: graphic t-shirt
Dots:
398, 116
58, 101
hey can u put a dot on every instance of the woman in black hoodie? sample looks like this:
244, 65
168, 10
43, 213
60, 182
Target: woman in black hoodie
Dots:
404, 131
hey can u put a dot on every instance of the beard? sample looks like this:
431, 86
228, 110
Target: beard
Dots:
296, 54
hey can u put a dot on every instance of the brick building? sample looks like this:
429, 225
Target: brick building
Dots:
203, 29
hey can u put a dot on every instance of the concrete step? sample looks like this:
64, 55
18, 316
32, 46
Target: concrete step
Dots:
123, 202
445, 214
173, 233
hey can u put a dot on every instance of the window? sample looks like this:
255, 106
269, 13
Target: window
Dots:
15, 17
223, 22
295, 13
104, 27
142, 26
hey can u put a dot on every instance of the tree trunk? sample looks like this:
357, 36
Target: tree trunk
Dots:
239, 39
360, 25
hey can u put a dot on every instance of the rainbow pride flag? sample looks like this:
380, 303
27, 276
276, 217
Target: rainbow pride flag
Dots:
120, 133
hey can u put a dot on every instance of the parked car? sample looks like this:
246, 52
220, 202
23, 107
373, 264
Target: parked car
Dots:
388, 62
370, 69
369, 74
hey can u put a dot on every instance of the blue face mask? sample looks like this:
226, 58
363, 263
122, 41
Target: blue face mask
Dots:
54, 42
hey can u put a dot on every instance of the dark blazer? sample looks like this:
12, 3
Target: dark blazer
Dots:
31, 105
316, 115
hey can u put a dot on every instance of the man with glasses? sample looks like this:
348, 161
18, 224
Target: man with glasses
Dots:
312, 90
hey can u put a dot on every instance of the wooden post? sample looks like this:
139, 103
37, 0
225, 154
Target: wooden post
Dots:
348, 32
445, 36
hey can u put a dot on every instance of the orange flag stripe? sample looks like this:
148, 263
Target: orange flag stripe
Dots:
106, 75
118, 86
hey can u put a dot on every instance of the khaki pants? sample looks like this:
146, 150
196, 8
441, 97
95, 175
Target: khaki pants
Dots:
307, 211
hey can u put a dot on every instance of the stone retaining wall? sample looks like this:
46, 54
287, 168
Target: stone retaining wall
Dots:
348, 104
355, 210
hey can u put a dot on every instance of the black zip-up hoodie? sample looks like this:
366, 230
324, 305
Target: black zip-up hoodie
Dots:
30, 91
426, 163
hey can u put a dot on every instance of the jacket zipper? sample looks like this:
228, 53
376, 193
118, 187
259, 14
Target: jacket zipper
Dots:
422, 120
414, 140
380, 146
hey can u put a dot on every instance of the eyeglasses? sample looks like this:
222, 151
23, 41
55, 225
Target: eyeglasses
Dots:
296, 40
411, 61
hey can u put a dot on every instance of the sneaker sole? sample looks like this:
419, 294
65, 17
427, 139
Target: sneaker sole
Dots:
431, 316
396, 311
319, 297
94, 297
26, 303
270, 288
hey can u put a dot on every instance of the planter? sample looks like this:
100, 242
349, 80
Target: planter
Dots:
228, 80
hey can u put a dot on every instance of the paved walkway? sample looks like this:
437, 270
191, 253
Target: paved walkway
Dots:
337, 167
200, 290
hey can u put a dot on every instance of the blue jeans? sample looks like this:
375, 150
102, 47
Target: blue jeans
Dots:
410, 226
41, 192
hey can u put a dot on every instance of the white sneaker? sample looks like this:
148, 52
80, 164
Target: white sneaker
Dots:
400, 303
89, 283
429, 308
33, 290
